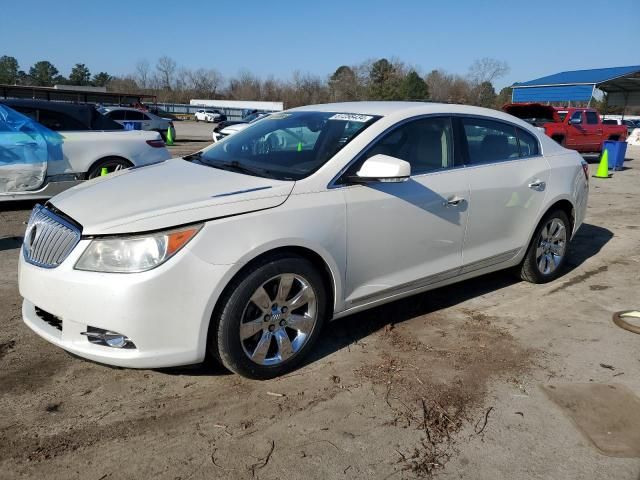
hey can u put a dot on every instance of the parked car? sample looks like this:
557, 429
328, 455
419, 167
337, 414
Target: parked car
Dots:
69, 144
237, 127
164, 114
253, 245
579, 129
630, 124
211, 116
246, 119
134, 119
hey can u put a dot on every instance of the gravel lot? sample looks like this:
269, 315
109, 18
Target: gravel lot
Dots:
446, 383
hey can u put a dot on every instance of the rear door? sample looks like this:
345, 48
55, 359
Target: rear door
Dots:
593, 129
135, 118
23, 152
507, 180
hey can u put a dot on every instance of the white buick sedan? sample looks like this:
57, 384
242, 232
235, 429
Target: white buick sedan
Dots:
246, 249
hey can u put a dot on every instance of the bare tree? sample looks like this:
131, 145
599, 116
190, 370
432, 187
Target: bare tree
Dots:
205, 83
166, 68
142, 73
487, 70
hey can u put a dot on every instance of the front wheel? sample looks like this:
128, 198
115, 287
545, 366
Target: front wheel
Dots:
270, 318
547, 252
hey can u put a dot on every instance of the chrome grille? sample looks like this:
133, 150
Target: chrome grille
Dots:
49, 238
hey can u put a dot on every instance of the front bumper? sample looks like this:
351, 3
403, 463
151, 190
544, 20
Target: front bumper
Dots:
165, 312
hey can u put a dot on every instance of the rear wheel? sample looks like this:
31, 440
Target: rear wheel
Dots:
112, 164
270, 318
547, 252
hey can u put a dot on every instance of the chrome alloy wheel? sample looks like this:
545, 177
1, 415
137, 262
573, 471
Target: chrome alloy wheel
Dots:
278, 319
551, 246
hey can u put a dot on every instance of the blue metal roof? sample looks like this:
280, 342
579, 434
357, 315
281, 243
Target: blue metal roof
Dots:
591, 77
562, 93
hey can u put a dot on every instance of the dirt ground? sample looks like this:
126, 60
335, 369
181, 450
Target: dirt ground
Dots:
447, 383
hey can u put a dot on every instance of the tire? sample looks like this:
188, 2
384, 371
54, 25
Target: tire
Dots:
254, 336
112, 164
197, 119
545, 258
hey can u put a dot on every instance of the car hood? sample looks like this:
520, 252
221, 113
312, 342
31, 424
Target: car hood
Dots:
164, 195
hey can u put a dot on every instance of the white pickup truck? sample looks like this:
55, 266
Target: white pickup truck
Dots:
47, 147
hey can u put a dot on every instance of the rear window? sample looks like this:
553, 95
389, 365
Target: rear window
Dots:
592, 118
528, 144
490, 141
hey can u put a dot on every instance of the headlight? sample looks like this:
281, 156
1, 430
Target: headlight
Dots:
133, 254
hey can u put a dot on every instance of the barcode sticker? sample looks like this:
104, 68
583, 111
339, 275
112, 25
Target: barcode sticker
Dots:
351, 117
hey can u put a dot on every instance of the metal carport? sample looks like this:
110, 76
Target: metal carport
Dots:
621, 84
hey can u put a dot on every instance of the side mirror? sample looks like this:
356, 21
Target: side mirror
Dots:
382, 168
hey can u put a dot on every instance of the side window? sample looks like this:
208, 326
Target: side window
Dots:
117, 115
490, 141
528, 144
134, 115
592, 118
59, 122
427, 144
29, 112
576, 117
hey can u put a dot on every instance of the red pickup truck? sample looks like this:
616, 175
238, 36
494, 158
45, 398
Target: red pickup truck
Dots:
579, 129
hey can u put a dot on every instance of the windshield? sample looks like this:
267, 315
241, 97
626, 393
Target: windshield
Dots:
286, 146
251, 117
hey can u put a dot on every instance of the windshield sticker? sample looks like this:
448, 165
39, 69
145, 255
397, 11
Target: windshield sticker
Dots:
278, 116
351, 117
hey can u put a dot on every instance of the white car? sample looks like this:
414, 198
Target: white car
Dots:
48, 147
253, 246
238, 127
134, 119
210, 116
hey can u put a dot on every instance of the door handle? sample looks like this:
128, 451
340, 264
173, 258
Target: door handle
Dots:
453, 201
538, 185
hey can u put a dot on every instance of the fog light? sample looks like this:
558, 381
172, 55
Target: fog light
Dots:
107, 338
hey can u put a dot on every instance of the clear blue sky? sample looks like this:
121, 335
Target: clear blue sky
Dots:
535, 38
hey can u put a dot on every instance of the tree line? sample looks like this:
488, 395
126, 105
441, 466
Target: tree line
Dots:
375, 79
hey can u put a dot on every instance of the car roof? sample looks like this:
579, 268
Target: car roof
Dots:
124, 108
85, 113
410, 109
70, 108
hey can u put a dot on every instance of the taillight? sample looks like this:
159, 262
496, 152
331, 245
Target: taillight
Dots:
155, 143
585, 170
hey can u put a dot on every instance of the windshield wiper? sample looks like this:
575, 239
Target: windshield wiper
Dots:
193, 156
236, 166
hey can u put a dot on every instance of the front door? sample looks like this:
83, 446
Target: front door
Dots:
507, 180
402, 236
577, 138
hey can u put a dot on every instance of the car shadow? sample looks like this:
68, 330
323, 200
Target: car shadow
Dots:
348, 331
10, 243
18, 205
586, 243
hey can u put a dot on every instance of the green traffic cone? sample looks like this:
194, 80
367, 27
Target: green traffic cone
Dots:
169, 136
104, 171
603, 168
